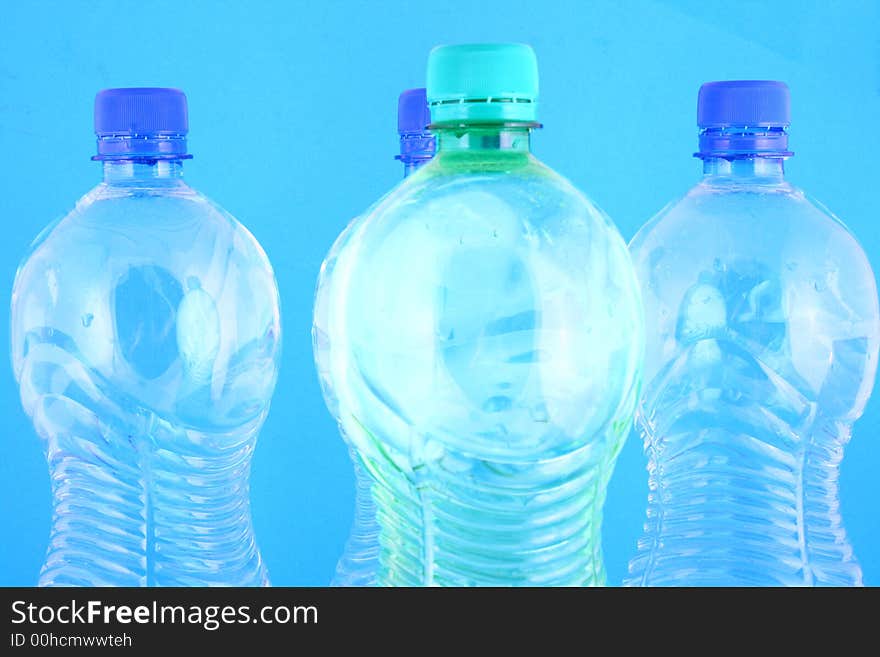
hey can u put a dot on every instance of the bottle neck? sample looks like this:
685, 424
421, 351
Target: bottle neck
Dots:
416, 150
411, 166
744, 142
484, 138
759, 170
143, 173
150, 146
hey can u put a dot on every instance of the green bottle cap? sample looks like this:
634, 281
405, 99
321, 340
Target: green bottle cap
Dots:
483, 82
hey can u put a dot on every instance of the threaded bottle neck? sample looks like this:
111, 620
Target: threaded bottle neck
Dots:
739, 171
141, 173
758, 170
416, 150
743, 142
474, 137
142, 148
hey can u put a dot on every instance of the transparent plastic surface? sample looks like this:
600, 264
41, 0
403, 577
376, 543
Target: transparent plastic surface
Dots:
478, 336
360, 559
359, 563
145, 339
762, 323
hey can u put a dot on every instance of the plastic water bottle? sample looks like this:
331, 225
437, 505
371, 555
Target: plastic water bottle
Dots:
485, 340
145, 339
762, 323
359, 563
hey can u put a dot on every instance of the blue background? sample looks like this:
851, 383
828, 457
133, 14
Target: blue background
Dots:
292, 111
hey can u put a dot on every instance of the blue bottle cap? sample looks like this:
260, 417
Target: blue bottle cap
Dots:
417, 144
141, 123
413, 115
744, 118
743, 103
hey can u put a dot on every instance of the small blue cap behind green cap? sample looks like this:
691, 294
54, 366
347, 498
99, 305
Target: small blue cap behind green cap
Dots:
483, 82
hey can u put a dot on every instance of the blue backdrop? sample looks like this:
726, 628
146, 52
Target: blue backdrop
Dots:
292, 115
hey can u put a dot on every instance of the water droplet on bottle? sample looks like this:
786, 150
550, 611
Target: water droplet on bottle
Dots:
497, 404
434, 451
539, 413
87, 320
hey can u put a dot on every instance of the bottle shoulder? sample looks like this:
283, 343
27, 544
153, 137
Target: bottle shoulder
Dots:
526, 203
451, 171
436, 220
143, 224
757, 219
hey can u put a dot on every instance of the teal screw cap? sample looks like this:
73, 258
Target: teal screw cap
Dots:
483, 82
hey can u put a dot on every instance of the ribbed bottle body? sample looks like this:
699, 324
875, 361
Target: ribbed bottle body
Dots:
360, 559
145, 339
761, 354
491, 523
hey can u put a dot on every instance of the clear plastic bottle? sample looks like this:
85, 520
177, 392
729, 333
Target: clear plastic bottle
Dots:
485, 336
762, 323
145, 340
359, 562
